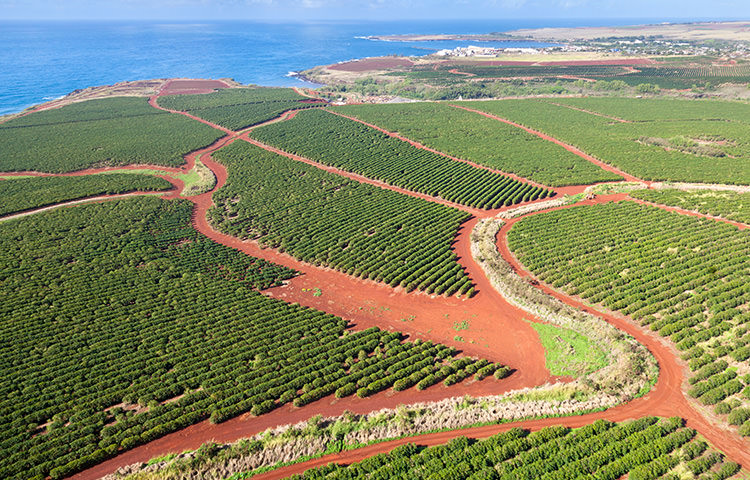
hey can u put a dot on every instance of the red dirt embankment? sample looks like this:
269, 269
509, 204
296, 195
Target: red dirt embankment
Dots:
566, 146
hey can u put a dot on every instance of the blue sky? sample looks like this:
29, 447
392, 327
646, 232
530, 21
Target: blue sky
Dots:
302, 10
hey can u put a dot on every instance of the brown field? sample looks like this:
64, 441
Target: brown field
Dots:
375, 63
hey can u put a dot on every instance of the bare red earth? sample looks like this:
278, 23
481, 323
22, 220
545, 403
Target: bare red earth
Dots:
365, 64
566, 146
191, 86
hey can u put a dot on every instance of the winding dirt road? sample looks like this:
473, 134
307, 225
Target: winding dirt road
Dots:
496, 332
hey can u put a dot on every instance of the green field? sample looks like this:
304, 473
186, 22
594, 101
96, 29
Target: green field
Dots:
687, 146
332, 221
569, 353
684, 277
642, 449
34, 192
725, 204
482, 140
674, 76
351, 146
170, 330
237, 108
100, 133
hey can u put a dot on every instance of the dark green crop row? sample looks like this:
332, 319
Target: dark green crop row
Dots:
19, 194
237, 108
725, 204
643, 449
100, 133
351, 146
325, 219
482, 140
121, 324
687, 278
666, 148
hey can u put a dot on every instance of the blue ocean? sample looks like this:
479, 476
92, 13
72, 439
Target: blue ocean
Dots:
45, 60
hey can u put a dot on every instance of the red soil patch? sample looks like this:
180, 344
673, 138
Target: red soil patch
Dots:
376, 63
191, 87
566, 146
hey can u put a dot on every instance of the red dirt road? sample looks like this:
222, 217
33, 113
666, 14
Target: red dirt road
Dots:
566, 146
496, 332
667, 398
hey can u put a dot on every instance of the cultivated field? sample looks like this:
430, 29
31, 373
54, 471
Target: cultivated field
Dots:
423, 290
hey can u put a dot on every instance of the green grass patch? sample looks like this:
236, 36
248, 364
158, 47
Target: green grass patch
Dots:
569, 353
198, 180
462, 325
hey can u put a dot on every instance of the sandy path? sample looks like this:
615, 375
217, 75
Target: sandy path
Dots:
566, 146
416, 144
